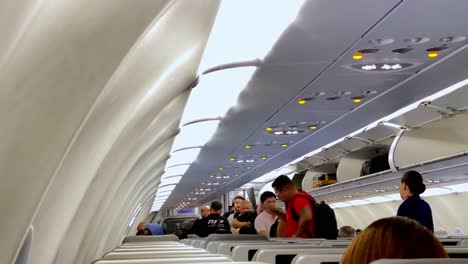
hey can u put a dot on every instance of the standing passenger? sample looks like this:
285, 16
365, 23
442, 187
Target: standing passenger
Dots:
411, 186
267, 218
298, 201
236, 203
245, 221
213, 223
205, 211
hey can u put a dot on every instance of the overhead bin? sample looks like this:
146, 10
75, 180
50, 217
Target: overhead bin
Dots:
443, 138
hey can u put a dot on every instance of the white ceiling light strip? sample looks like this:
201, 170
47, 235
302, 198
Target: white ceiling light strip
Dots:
436, 191
185, 156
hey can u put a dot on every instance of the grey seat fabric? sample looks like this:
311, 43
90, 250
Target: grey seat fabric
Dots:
130, 239
421, 261
241, 252
271, 255
227, 237
317, 259
156, 254
191, 259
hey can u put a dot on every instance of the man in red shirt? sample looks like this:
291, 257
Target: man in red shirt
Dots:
303, 225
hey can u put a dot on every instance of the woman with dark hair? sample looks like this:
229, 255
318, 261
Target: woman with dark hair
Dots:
411, 186
393, 238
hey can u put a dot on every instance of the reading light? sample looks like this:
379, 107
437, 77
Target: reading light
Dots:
357, 100
284, 145
301, 101
264, 158
232, 159
432, 54
269, 129
248, 146
313, 127
357, 56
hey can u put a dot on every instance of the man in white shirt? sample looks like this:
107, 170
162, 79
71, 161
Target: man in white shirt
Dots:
267, 218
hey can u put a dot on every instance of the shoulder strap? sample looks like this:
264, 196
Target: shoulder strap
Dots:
295, 216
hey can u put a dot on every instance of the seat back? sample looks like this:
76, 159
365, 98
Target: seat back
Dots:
230, 237
156, 254
185, 259
317, 259
285, 256
132, 239
247, 252
226, 247
420, 261
336, 243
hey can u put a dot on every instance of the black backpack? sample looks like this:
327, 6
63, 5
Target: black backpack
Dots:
324, 219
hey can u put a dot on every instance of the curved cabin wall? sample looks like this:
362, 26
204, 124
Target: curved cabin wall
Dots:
90, 100
439, 139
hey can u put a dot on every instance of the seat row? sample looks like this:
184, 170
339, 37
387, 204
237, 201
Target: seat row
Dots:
242, 249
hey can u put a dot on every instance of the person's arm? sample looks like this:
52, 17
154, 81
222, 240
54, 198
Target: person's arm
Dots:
281, 230
237, 224
305, 216
281, 215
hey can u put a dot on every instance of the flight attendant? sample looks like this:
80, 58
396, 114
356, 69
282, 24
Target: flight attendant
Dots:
411, 186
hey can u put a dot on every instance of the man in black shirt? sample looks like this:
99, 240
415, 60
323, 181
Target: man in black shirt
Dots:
213, 223
246, 220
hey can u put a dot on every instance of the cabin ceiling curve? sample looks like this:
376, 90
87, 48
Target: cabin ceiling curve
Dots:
307, 87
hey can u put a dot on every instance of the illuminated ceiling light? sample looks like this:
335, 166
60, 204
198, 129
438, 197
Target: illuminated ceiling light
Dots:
284, 145
195, 134
237, 174
248, 167
232, 159
185, 156
357, 100
341, 205
269, 129
220, 168
436, 191
357, 56
301, 101
212, 176
394, 196
381, 67
176, 170
171, 180
359, 202
369, 67
459, 187
378, 199
313, 127
432, 54
248, 146
264, 158
166, 188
